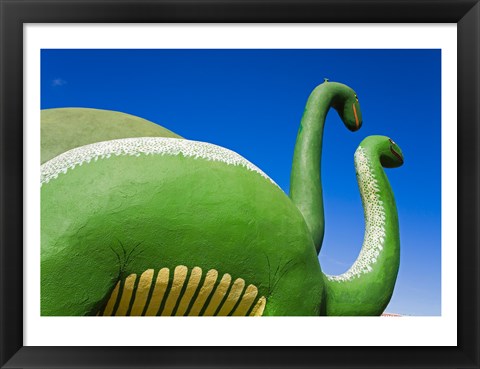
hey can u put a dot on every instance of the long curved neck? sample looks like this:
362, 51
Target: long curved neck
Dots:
378, 262
305, 178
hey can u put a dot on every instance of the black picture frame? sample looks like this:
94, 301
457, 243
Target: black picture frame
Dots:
16, 13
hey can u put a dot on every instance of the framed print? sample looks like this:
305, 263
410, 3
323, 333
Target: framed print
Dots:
211, 116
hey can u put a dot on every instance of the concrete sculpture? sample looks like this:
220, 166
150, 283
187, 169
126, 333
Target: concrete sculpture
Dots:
167, 226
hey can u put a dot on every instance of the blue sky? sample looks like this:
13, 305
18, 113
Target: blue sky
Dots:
251, 101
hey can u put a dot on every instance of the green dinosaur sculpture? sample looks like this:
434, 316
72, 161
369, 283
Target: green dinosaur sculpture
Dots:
165, 226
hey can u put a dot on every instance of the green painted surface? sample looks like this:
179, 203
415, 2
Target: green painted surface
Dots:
66, 128
182, 211
121, 214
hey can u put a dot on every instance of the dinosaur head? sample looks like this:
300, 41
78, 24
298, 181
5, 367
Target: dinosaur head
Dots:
347, 105
390, 154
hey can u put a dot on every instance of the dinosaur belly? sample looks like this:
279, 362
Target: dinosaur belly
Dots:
114, 216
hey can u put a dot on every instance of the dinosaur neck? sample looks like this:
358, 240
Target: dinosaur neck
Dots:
378, 261
305, 178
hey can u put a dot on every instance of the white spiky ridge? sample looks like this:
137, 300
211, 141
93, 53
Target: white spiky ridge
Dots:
142, 146
374, 220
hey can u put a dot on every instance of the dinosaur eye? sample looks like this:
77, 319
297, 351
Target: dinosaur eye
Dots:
391, 141
356, 97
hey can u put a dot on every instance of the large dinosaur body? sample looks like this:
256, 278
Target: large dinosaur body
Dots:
188, 203
164, 226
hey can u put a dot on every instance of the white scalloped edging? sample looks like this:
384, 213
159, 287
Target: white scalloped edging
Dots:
374, 210
62, 163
